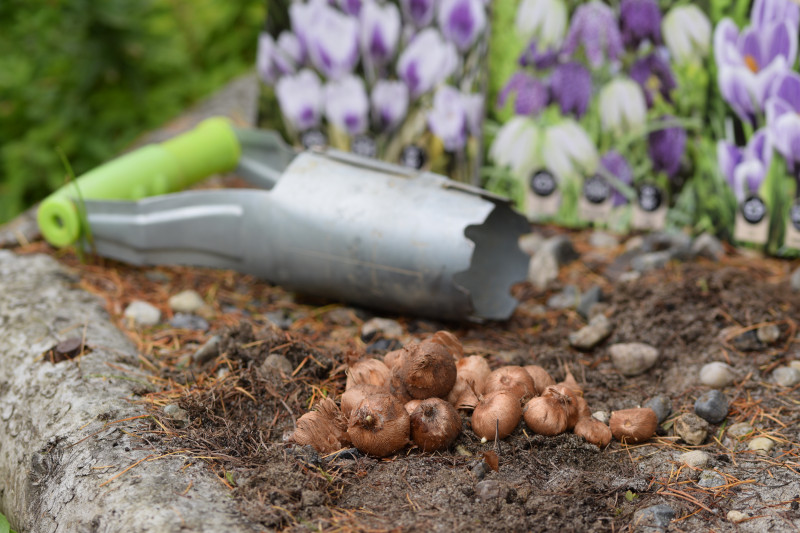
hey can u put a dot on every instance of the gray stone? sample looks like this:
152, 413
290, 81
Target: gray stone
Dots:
708, 246
628, 277
661, 406
710, 479
691, 428
186, 302
712, 406
769, 333
207, 351
561, 248
667, 240
142, 313
633, 358
490, 489
531, 243
601, 239
177, 414
786, 376
542, 269
592, 296
739, 430
276, 364
717, 374
634, 244
695, 458
188, 321
653, 517
592, 334
480, 470
566, 299
651, 261
381, 327
795, 279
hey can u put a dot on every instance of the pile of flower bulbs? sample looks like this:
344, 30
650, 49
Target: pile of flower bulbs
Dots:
414, 395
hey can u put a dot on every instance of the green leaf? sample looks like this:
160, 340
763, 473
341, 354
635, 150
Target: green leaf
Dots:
5, 527
630, 495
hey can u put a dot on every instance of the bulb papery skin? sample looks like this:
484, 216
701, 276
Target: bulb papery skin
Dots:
594, 431
513, 379
545, 415
428, 370
369, 371
449, 341
394, 358
353, 396
568, 399
462, 395
325, 428
435, 424
475, 369
380, 425
497, 413
633, 425
541, 378
412, 405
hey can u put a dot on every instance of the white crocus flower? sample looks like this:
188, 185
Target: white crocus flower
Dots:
517, 146
543, 20
687, 33
568, 151
622, 106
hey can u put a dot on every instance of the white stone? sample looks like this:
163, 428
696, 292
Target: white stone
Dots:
542, 269
602, 416
795, 364
531, 243
717, 375
786, 376
736, 516
142, 313
739, 430
768, 334
695, 458
186, 302
762, 445
601, 239
633, 358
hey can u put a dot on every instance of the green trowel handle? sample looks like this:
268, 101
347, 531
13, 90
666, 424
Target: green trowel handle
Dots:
210, 148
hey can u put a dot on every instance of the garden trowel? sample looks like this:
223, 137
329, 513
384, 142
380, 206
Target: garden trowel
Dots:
322, 222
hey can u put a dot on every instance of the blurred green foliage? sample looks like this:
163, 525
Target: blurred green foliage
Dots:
88, 77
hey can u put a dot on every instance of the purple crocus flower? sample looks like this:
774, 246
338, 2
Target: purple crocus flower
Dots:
346, 104
654, 74
640, 20
531, 94
389, 103
783, 118
329, 36
290, 45
745, 169
380, 30
615, 164
271, 61
594, 26
571, 87
539, 59
427, 61
300, 99
448, 118
766, 12
666, 147
351, 7
462, 21
420, 12
750, 63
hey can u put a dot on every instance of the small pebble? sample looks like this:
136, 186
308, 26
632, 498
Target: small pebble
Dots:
176, 413
381, 327
656, 516
186, 302
695, 458
736, 516
562, 249
188, 321
634, 244
795, 279
661, 405
628, 277
633, 358
769, 333
786, 376
717, 374
651, 261
280, 318
592, 334
691, 428
480, 470
708, 246
531, 243
142, 313
739, 430
712, 406
602, 416
601, 239
490, 489
569, 298
542, 269
761, 445
795, 364
589, 300
381, 346
275, 364
207, 351
710, 479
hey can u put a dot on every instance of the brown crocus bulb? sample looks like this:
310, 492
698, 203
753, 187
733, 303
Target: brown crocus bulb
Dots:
428, 370
571, 382
449, 341
541, 378
511, 378
394, 358
568, 399
380, 425
462, 395
474, 369
593, 431
411, 405
545, 415
325, 428
498, 412
435, 424
353, 396
583, 407
633, 425
368, 371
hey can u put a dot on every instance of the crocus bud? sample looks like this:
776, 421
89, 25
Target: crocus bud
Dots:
329, 36
622, 107
666, 147
420, 12
687, 33
542, 20
380, 29
427, 61
300, 99
568, 151
448, 118
517, 146
271, 61
462, 21
346, 104
594, 27
389, 103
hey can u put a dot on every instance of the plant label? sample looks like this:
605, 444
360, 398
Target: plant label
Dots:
792, 238
595, 202
752, 222
543, 198
650, 210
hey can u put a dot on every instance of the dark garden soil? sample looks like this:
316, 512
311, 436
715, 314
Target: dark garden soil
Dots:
240, 413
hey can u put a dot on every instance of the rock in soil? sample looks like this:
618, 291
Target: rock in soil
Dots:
589, 299
188, 321
656, 517
207, 351
276, 363
768, 334
795, 279
569, 298
761, 445
786, 376
490, 489
661, 406
717, 375
381, 327
186, 302
710, 479
142, 313
592, 334
633, 358
712, 406
691, 428
735, 516
708, 246
695, 458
